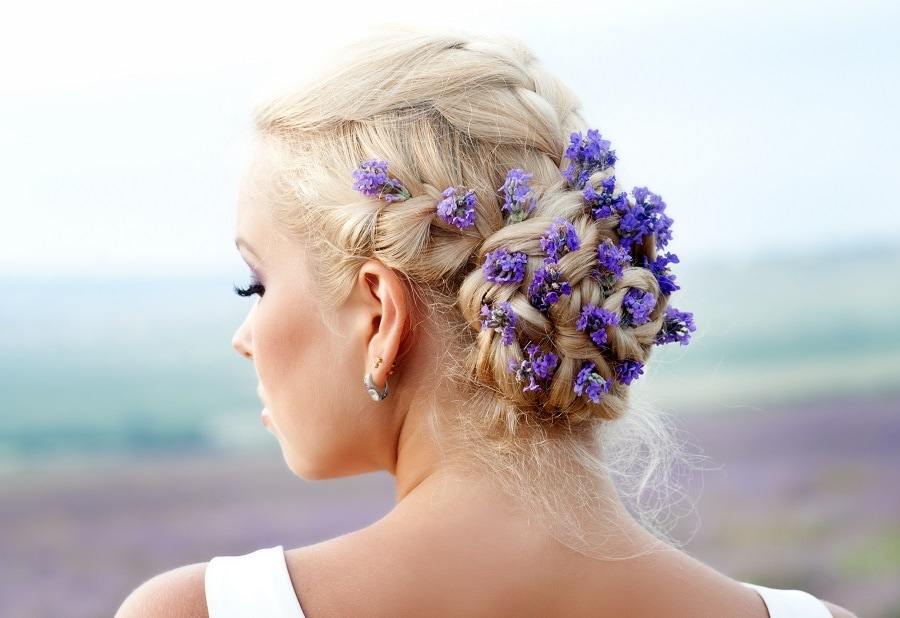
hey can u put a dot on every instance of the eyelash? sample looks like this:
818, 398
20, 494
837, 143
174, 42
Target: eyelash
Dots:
255, 287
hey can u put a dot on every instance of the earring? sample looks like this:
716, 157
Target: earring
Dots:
374, 393
378, 361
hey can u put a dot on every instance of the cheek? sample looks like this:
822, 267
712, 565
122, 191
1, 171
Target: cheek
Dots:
281, 338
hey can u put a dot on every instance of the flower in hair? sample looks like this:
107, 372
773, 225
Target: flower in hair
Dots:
587, 155
501, 318
501, 266
547, 287
536, 367
591, 383
593, 322
458, 210
677, 326
560, 239
637, 306
647, 216
628, 371
612, 259
371, 179
660, 269
607, 202
518, 198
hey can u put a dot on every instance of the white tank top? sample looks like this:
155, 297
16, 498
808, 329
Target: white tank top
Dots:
258, 584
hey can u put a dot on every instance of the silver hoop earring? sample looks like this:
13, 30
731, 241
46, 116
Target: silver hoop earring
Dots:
374, 393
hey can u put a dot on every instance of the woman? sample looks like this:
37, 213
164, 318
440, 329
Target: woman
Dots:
454, 286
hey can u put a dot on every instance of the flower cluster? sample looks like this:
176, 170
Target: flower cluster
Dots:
536, 367
591, 383
458, 210
612, 260
501, 266
637, 306
660, 269
502, 319
628, 370
587, 154
677, 326
547, 286
371, 179
593, 322
518, 198
606, 203
647, 216
560, 239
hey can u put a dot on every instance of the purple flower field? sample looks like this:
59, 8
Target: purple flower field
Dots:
799, 496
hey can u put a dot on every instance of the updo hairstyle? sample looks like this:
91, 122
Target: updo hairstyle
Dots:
453, 111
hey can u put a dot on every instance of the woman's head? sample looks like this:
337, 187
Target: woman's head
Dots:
550, 301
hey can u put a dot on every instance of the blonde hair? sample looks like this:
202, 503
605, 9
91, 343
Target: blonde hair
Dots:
450, 110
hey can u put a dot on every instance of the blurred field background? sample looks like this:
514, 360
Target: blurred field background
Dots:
131, 441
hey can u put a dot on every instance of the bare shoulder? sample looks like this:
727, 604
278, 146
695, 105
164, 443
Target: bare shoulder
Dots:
837, 611
177, 593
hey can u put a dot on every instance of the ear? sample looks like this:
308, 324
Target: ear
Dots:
386, 308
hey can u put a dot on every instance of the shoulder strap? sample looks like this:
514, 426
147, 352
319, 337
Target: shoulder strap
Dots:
791, 603
257, 584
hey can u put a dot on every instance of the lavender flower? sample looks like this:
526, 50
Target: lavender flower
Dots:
546, 287
371, 179
637, 306
591, 383
518, 198
502, 319
458, 210
677, 326
560, 239
587, 155
594, 321
660, 269
647, 216
535, 367
607, 202
612, 259
501, 266
628, 371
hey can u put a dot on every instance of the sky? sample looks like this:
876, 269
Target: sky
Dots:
768, 127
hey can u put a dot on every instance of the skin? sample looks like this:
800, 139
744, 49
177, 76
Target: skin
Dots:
453, 545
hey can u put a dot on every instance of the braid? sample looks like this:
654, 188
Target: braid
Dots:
458, 114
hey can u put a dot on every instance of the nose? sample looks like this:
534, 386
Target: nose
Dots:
241, 341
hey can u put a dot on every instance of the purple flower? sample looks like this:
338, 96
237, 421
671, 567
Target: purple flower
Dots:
371, 179
591, 383
502, 319
647, 216
677, 326
458, 210
612, 259
535, 367
501, 266
587, 155
546, 287
607, 202
518, 198
660, 269
594, 321
628, 371
637, 306
560, 239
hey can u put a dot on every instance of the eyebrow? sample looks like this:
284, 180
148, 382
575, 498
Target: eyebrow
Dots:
240, 243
